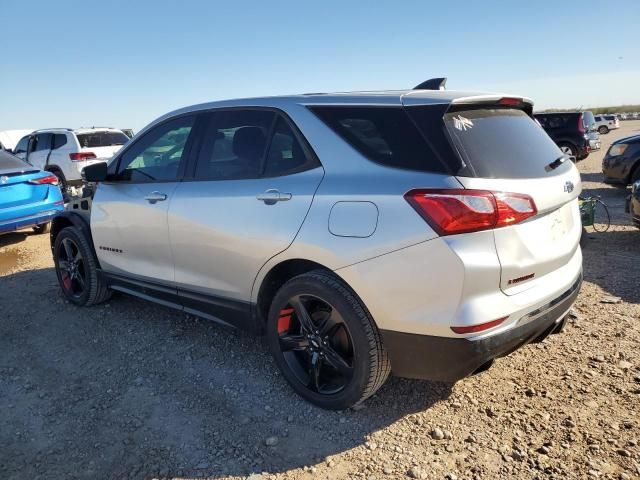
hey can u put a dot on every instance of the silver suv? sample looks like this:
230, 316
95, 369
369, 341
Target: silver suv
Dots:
418, 232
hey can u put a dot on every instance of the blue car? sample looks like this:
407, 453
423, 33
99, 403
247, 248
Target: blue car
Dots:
28, 197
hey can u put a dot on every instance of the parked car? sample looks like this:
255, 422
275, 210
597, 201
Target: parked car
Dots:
633, 204
128, 132
28, 197
569, 131
606, 123
621, 164
420, 232
65, 152
9, 138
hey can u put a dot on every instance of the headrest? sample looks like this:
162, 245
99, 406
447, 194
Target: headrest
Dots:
249, 142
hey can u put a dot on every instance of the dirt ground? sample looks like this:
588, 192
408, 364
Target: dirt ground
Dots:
134, 390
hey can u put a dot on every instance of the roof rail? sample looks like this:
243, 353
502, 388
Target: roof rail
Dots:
432, 84
59, 128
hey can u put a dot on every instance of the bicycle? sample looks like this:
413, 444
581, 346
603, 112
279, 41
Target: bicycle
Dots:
588, 206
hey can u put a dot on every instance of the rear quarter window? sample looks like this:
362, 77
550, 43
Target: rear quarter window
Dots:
384, 135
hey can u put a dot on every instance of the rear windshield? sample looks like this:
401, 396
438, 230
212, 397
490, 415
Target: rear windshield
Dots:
9, 162
502, 143
101, 139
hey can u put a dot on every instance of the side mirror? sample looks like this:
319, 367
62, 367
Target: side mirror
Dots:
95, 173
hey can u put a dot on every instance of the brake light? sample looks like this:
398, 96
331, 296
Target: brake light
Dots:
48, 180
450, 212
79, 156
509, 101
480, 327
581, 124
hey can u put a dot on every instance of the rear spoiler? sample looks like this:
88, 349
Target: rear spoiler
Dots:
432, 84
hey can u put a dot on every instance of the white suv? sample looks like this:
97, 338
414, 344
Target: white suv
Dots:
65, 152
605, 123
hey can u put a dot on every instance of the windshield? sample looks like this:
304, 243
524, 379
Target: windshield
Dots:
106, 138
502, 143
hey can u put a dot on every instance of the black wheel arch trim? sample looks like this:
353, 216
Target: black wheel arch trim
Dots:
66, 219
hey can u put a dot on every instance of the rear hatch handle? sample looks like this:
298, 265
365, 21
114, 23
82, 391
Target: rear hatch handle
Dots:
557, 162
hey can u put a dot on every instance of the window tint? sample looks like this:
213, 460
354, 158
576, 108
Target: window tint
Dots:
22, 145
234, 144
157, 155
286, 155
42, 142
555, 120
502, 143
101, 138
385, 135
59, 140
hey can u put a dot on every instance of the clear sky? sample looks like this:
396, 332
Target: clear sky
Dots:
123, 63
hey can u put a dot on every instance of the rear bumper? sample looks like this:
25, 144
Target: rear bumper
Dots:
451, 359
29, 221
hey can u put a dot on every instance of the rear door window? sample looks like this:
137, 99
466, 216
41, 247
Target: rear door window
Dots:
59, 140
286, 155
42, 142
502, 143
234, 144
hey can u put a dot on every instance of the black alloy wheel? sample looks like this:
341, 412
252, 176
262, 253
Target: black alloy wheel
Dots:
316, 344
71, 265
325, 342
77, 268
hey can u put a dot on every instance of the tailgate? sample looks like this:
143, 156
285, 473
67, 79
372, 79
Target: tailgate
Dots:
494, 145
542, 244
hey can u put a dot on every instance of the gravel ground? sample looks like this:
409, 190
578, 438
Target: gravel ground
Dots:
134, 390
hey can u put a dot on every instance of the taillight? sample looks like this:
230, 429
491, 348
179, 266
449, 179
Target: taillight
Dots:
450, 212
79, 156
48, 180
480, 327
581, 124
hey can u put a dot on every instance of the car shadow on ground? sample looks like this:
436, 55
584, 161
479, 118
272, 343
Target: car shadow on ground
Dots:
8, 239
131, 389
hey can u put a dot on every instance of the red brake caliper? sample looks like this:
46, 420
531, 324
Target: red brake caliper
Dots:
66, 281
284, 320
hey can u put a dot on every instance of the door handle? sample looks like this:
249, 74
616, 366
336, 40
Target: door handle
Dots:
154, 197
270, 197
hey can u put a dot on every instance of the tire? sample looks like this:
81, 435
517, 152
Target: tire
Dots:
635, 175
332, 307
603, 130
80, 284
44, 228
568, 149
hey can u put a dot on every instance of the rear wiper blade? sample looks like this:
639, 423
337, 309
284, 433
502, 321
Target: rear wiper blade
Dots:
557, 162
